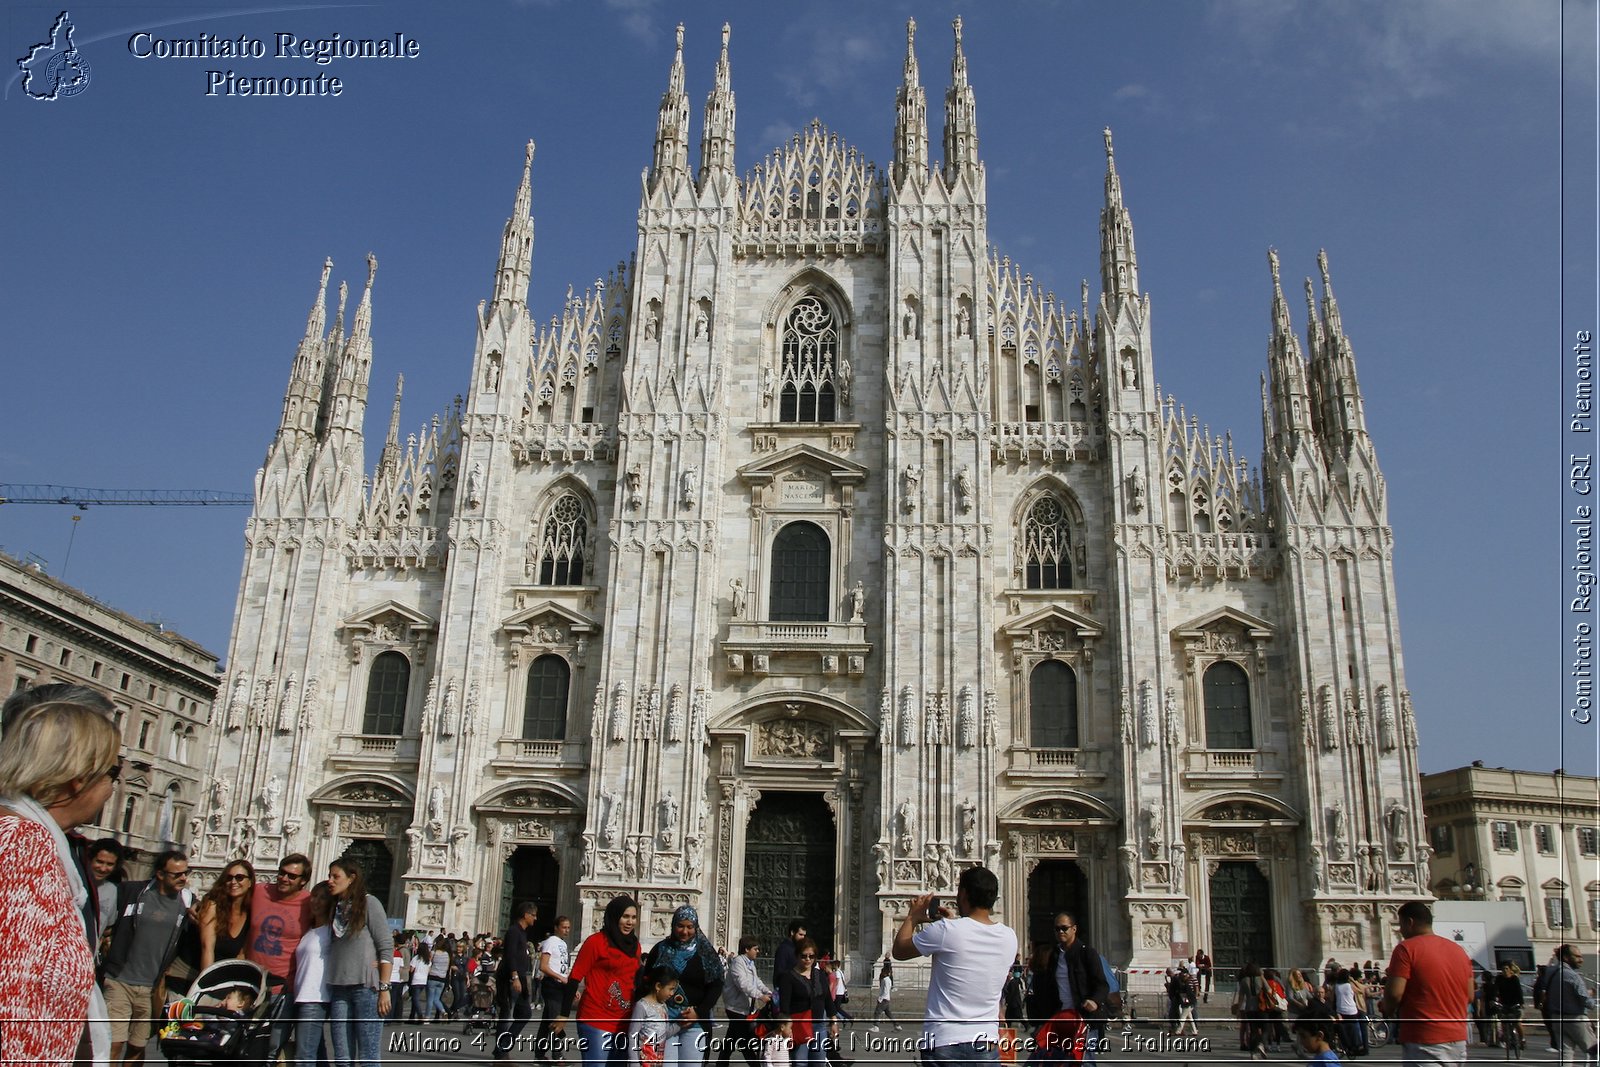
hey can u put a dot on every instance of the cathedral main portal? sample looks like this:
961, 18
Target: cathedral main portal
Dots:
789, 869
1241, 916
1056, 886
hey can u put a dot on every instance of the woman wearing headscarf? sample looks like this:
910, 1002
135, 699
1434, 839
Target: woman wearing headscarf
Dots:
58, 762
605, 971
691, 956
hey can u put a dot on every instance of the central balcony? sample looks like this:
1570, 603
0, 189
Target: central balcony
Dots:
518, 755
374, 751
805, 647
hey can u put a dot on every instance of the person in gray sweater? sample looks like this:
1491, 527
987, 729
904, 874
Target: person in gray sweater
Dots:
359, 958
1568, 1002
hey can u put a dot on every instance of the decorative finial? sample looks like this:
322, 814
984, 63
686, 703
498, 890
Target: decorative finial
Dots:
327, 269
911, 31
957, 25
1272, 258
372, 268
527, 157
1107, 132
1322, 264
726, 30
680, 39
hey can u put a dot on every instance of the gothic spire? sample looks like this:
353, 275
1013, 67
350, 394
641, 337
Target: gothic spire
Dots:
515, 269
389, 461
304, 393
1119, 265
716, 139
910, 117
1291, 401
960, 118
1343, 416
349, 399
672, 125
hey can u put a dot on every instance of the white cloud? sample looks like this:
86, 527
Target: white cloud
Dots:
636, 17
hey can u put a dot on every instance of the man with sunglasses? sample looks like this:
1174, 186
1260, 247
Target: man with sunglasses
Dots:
1071, 978
279, 915
152, 918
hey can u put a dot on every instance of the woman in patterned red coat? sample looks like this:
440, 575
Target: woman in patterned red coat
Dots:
57, 765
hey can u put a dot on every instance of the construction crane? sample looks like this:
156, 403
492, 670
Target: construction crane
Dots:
79, 498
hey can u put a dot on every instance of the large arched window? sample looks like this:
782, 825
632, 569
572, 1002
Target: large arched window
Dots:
800, 574
561, 548
544, 712
1047, 546
1053, 705
387, 684
810, 363
1227, 697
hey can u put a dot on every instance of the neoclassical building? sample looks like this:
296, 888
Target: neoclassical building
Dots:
816, 554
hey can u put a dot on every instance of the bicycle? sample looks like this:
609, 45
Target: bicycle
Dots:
1512, 1038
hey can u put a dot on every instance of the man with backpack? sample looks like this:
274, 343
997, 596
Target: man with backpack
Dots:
152, 919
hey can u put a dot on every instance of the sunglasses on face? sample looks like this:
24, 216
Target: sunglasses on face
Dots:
236, 878
808, 955
291, 875
1064, 929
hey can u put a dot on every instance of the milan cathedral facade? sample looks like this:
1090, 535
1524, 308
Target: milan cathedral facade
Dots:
812, 556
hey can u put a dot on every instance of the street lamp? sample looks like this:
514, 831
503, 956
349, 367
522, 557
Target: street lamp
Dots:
1469, 878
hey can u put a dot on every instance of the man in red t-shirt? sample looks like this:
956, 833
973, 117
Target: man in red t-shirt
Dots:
1430, 988
279, 916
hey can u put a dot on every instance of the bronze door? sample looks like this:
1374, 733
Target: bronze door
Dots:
1241, 916
789, 869
532, 873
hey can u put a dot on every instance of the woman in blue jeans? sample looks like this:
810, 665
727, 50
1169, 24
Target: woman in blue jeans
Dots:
359, 955
311, 980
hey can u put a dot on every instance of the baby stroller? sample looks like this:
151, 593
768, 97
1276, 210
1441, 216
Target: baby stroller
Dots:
479, 1011
227, 1016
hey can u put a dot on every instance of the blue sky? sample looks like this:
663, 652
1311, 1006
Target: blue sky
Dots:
166, 246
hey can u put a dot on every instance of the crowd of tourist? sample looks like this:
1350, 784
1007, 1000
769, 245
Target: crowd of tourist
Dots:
121, 950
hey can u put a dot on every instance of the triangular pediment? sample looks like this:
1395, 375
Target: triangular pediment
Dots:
368, 618
835, 468
1254, 627
534, 614
1055, 617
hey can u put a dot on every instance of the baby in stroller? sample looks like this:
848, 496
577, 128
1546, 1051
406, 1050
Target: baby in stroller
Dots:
227, 1015
480, 1002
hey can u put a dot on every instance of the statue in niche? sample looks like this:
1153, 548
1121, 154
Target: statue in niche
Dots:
475, 486
885, 866
635, 477
687, 482
1314, 868
963, 322
608, 819
221, 792
964, 489
906, 816
1130, 866
741, 598
967, 812
846, 377
858, 602
693, 858
911, 487
447, 713
702, 324
1397, 819
908, 323
491, 373
1152, 831
1136, 491
667, 814
1336, 829
271, 804
652, 323
435, 811
1130, 369
458, 848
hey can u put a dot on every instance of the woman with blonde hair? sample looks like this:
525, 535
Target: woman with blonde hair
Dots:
58, 762
224, 914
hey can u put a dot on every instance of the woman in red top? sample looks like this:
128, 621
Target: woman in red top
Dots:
607, 966
57, 764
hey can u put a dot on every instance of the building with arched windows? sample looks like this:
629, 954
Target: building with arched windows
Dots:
817, 555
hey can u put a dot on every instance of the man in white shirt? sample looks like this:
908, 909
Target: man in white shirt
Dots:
972, 955
555, 960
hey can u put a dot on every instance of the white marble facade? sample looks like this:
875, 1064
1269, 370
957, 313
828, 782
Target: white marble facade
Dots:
821, 496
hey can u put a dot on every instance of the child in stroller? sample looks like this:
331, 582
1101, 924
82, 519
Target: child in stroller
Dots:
228, 1015
480, 1005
